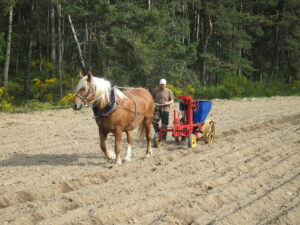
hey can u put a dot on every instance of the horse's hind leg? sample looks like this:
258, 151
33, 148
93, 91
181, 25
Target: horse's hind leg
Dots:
147, 124
130, 143
118, 137
103, 136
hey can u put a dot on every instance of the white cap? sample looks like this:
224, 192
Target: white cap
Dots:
162, 81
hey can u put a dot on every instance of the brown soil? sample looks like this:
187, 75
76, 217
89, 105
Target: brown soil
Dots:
53, 171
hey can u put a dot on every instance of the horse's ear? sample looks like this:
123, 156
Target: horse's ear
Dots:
81, 75
89, 77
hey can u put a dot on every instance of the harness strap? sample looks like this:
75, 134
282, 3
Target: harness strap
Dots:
134, 114
113, 106
108, 109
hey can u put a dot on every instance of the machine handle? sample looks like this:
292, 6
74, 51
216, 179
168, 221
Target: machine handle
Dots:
160, 104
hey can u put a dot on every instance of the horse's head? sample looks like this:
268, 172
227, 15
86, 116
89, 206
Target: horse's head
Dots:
85, 92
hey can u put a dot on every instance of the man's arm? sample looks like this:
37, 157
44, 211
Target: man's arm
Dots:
171, 101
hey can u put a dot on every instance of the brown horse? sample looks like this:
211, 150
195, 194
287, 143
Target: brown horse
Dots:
116, 112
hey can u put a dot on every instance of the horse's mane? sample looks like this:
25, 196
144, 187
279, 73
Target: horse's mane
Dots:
103, 88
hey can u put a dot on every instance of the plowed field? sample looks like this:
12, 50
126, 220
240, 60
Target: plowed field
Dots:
52, 170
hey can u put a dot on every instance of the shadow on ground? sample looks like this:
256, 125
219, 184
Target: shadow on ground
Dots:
53, 159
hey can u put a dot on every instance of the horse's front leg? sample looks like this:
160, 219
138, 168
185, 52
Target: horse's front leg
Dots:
130, 143
147, 124
103, 136
118, 137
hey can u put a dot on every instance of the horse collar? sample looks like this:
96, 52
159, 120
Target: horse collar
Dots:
111, 106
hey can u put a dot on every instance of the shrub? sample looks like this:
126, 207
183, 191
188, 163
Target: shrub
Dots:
67, 99
189, 90
15, 89
34, 105
295, 88
5, 100
176, 91
44, 91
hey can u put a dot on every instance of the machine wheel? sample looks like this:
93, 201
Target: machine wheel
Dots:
156, 141
192, 141
208, 131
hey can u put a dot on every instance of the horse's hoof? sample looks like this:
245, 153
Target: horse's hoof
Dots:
127, 160
148, 155
110, 160
115, 166
111, 157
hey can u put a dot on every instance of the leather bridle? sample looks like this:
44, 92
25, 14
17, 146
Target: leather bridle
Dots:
88, 95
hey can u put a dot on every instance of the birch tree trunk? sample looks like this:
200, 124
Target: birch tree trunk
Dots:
78, 46
240, 48
59, 49
87, 50
17, 58
53, 44
39, 39
207, 31
29, 32
281, 8
8, 45
198, 26
27, 73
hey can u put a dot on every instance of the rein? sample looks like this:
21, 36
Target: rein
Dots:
135, 112
85, 97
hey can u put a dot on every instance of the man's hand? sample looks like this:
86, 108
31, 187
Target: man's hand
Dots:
169, 102
160, 104
166, 103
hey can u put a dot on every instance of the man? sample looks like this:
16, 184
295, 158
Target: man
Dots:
163, 98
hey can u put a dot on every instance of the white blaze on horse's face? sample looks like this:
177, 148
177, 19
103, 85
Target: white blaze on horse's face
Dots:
79, 100
84, 92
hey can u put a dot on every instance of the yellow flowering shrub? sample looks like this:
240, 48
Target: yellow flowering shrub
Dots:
188, 90
33, 64
44, 91
5, 100
67, 99
175, 90
48, 66
49, 97
52, 82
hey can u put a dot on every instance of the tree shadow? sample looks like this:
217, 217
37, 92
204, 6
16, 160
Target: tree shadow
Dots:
52, 159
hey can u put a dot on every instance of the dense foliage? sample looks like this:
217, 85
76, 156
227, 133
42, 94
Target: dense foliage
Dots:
205, 48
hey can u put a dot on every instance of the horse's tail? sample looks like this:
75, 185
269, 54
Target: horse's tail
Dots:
143, 127
142, 131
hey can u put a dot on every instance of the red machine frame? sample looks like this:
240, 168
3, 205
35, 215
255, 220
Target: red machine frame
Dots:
184, 126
